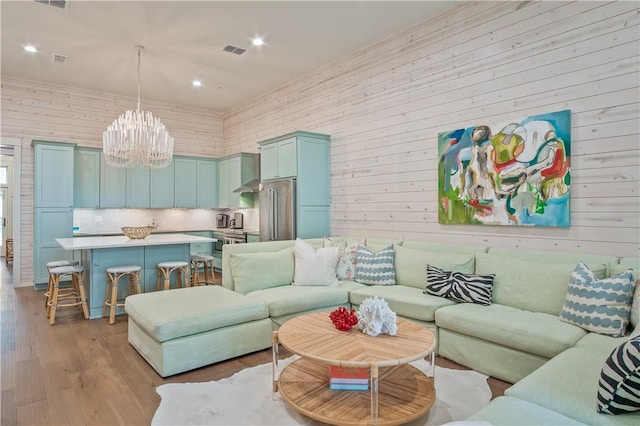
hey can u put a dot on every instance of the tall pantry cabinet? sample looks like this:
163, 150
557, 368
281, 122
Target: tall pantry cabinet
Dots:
53, 205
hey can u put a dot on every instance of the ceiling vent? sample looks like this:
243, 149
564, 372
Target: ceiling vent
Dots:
58, 59
232, 49
61, 4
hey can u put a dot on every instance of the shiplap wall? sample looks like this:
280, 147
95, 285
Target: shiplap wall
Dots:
35, 110
481, 63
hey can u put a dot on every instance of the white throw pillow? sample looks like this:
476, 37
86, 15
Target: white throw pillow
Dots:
315, 267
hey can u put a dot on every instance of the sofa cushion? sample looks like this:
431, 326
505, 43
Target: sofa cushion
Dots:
533, 332
601, 342
255, 271
601, 306
315, 267
291, 299
619, 385
532, 286
375, 268
405, 301
595, 261
167, 315
508, 411
567, 384
459, 287
411, 264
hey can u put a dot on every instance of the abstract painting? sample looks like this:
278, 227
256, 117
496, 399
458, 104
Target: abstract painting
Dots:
514, 173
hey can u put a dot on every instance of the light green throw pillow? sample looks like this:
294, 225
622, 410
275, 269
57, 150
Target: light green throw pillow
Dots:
531, 286
411, 265
258, 271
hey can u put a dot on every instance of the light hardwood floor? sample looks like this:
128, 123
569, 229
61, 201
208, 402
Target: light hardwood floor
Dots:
85, 372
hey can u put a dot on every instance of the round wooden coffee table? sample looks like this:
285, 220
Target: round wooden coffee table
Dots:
399, 392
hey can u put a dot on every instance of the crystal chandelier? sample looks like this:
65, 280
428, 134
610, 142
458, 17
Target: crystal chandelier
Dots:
137, 139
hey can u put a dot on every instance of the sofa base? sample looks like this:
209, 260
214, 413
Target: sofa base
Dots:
506, 411
197, 350
488, 358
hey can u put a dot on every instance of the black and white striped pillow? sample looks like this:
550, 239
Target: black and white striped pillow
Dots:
459, 287
619, 386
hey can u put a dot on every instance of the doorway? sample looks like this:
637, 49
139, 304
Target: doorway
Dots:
6, 204
10, 181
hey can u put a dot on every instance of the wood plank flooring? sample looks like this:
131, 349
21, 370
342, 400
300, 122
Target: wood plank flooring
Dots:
81, 372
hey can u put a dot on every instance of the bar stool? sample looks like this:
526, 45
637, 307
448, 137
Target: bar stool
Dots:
165, 269
111, 299
64, 292
206, 262
76, 293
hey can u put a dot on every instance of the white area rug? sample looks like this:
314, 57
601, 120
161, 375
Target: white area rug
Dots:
246, 399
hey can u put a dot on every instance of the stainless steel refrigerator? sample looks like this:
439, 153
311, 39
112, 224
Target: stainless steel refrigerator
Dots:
278, 210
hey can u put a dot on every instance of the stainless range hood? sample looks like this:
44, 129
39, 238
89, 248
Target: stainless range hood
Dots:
252, 185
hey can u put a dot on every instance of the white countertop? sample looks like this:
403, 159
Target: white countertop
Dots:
84, 243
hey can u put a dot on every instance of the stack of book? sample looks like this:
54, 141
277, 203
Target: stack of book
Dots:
348, 378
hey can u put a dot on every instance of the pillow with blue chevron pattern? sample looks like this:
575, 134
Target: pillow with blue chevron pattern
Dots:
375, 268
459, 287
601, 306
619, 384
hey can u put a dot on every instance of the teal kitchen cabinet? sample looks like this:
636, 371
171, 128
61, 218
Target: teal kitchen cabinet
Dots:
138, 188
113, 185
186, 193
97, 262
53, 205
305, 157
50, 223
278, 158
206, 183
203, 248
86, 178
53, 174
235, 171
162, 187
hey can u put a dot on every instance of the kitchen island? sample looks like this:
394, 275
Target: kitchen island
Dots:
99, 253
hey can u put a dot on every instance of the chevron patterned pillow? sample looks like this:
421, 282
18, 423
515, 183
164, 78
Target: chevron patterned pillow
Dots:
459, 287
619, 385
375, 268
601, 306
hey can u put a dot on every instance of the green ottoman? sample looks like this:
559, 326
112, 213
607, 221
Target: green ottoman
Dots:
182, 329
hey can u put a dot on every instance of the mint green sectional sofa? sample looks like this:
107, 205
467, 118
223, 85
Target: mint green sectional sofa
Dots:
518, 338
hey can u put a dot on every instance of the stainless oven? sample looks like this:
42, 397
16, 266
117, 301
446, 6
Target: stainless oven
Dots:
227, 237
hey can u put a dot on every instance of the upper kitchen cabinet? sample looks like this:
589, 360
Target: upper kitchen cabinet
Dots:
162, 190
196, 182
53, 174
206, 183
278, 158
138, 186
113, 186
235, 171
86, 180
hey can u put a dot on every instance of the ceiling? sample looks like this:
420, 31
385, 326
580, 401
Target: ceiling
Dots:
184, 41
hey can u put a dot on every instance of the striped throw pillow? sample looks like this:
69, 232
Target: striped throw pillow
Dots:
619, 385
375, 268
459, 287
601, 306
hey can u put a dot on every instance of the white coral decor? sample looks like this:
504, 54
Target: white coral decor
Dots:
375, 317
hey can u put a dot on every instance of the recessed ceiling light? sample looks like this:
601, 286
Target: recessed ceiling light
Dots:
197, 83
257, 41
30, 48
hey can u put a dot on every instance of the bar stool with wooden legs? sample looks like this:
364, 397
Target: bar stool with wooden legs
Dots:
76, 297
206, 262
165, 269
111, 299
63, 292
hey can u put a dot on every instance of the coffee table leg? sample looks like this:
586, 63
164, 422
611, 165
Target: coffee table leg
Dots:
276, 355
373, 369
432, 368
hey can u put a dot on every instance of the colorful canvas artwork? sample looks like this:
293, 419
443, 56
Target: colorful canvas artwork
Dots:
516, 173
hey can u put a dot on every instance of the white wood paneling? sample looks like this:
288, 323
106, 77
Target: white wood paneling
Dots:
481, 63
36, 110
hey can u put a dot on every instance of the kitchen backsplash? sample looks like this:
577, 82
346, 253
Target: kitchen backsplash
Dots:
95, 221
